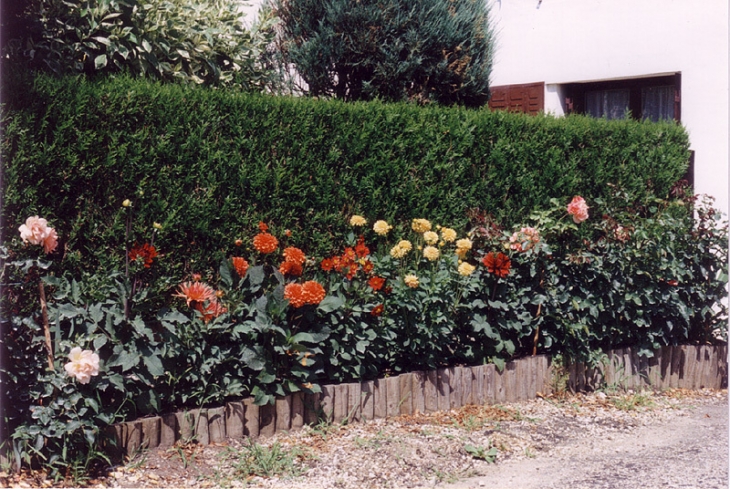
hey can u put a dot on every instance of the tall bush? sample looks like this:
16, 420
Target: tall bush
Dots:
207, 165
182, 40
427, 51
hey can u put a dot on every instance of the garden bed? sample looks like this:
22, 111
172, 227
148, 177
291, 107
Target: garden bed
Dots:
686, 367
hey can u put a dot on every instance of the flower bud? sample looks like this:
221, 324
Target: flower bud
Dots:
127, 203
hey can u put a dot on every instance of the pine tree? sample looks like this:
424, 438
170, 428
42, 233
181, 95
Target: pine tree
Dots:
421, 50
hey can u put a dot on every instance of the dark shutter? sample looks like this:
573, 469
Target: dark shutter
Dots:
528, 98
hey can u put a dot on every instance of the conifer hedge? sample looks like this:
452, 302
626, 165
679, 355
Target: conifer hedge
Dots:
208, 165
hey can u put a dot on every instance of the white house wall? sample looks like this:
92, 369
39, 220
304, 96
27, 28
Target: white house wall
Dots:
562, 41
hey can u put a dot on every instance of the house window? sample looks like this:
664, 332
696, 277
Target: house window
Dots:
657, 103
611, 104
654, 98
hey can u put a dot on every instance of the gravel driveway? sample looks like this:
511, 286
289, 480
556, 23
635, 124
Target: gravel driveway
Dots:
676, 439
689, 450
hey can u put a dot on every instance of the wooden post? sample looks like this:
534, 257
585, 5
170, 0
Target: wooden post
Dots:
354, 403
217, 425
169, 430
444, 389
186, 422
202, 435
341, 400
267, 420
251, 425
134, 437
380, 399
430, 392
283, 413
455, 393
327, 403
405, 386
418, 388
367, 391
312, 408
297, 410
151, 432
235, 419
392, 397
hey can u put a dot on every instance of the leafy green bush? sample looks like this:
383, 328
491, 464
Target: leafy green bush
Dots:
209, 164
184, 40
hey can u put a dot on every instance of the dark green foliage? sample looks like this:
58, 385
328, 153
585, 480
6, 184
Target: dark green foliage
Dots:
209, 165
430, 50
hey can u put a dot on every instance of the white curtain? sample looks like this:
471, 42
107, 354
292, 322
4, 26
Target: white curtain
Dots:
611, 104
657, 103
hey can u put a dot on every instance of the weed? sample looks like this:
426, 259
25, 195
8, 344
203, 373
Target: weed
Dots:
254, 460
632, 402
488, 454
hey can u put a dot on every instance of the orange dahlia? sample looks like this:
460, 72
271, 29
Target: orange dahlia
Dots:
263, 227
376, 283
294, 255
497, 263
212, 310
290, 268
146, 252
313, 292
265, 243
377, 310
360, 249
241, 265
293, 293
196, 292
327, 264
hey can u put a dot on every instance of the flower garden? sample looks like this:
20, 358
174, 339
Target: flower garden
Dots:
179, 286
275, 321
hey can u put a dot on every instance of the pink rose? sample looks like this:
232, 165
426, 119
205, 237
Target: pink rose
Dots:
578, 209
34, 231
51, 241
83, 365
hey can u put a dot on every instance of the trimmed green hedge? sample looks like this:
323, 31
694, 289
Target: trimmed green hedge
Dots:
212, 163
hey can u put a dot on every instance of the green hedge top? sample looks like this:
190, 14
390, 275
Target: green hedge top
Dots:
210, 164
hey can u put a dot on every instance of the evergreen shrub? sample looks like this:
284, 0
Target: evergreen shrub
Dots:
207, 165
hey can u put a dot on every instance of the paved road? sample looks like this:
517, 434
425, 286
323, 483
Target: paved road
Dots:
691, 451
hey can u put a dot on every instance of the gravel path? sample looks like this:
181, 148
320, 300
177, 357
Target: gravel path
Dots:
688, 450
676, 439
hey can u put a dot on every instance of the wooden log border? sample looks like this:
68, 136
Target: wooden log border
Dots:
690, 367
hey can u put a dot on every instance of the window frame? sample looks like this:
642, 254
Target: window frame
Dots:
575, 93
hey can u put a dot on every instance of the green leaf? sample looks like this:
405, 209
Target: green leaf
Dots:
256, 275
173, 316
100, 61
153, 364
330, 303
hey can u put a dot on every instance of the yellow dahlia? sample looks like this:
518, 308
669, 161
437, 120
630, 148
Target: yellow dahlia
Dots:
430, 237
448, 235
421, 225
431, 253
357, 221
397, 252
466, 269
411, 281
382, 228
